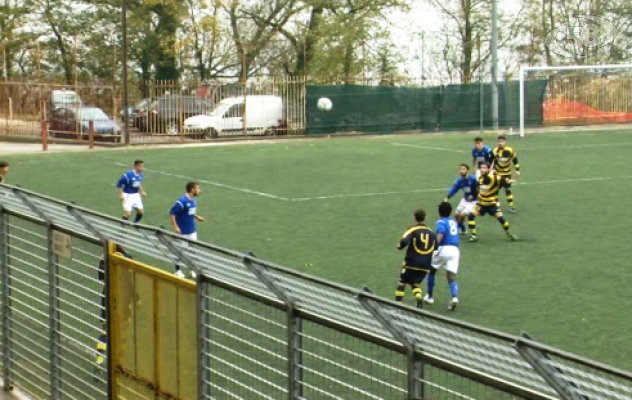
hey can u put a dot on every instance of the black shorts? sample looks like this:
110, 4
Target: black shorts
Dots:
492, 210
505, 181
413, 277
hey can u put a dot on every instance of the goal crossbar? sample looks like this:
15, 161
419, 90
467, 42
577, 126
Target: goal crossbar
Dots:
524, 69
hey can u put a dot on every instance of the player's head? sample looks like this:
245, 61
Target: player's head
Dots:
484, 168
4, 168
478, 143
502, 141
420, 216
445, 209
139, 165
193, 189
463, 170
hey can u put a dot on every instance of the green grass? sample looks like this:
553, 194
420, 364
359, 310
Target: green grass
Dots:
564, 282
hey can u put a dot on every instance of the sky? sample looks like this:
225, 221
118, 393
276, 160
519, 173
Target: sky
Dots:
407, 27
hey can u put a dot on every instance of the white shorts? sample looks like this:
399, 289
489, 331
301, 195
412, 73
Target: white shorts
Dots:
465, 207
192, 236
132, 201
478, 173
447, 257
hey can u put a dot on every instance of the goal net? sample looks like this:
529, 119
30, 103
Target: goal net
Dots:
578, 95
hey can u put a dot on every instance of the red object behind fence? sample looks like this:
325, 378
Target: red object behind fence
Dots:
566, 111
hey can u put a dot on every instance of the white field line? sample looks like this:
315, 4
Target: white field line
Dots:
550, 182
578, 146
575, 146
428, 148
217, 184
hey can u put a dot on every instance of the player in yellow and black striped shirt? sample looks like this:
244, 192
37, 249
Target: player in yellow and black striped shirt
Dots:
502, 158
419, 242
488, 187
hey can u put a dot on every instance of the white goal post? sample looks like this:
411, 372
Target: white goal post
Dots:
526, 69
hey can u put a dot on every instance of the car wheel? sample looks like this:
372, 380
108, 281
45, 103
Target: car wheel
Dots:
171, 128
210, 134
270, 132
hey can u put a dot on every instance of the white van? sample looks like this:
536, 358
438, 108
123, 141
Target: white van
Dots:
263, 114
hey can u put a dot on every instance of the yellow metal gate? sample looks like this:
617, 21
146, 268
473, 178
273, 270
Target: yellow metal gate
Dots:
154, 336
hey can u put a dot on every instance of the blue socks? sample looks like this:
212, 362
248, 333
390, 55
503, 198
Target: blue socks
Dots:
430, 285
454, 289
462, 225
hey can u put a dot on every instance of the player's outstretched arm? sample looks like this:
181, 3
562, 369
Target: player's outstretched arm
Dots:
199, 218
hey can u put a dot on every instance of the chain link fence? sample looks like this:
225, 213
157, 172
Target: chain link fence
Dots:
261, 331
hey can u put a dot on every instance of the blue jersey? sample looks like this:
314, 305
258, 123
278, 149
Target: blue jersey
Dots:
185, 209
468, 184
130, 182
450, 230
482, 155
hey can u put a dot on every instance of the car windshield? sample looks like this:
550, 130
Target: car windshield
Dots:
142, 104
219, 109
65, 97
92, 114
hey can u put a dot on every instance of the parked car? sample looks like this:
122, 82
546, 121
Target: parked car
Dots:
166, 114
74, 122
263, 115
62, 98
137, 110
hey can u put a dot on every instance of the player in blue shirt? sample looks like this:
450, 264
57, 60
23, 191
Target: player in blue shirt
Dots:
131, 192
446, 256
468, 184
184, 217
480, 154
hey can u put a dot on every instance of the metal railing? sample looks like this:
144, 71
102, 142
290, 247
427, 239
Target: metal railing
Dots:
264, 331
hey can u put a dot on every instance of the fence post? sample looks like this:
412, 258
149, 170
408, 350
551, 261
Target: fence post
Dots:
109, 326
44, 126
91, 135
53, 320
294, 329
550, 374
6, 120
7, 356
415, 365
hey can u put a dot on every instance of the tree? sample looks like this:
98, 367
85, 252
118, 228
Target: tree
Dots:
207, 40
466, 24
14, 43
254, 24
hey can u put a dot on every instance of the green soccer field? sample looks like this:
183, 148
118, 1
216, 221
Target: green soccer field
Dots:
336, 208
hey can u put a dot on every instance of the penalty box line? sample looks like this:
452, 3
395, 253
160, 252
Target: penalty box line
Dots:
212, 183
445, 189
572, 146
367, 194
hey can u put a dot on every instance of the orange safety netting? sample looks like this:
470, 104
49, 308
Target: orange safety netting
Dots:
567, 111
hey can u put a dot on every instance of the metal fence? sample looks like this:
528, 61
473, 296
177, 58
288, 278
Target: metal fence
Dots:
157, 110
263, 331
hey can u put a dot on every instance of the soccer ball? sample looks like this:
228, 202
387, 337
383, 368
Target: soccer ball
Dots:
324, 104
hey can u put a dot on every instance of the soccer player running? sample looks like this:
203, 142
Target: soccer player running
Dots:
184, 216
446, 256
419, 242
468, 183
130, 187
488, 187
502, 158
480, 154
